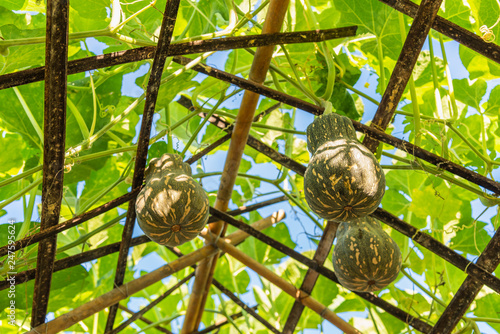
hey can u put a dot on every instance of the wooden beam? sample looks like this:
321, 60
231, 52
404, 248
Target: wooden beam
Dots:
160, 55
56, 60
124, 291
177, 49
260, 65
97, 253
324, 246
414, 42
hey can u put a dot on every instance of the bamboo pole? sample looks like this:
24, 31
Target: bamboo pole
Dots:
114, 296
258, 71
284, 285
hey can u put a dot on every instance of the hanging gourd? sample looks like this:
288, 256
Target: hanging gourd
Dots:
172, 208
344, 180
365, 258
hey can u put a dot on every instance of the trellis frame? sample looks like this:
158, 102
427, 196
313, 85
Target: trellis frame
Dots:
57, 69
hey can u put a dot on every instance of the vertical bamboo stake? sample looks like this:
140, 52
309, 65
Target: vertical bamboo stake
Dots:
287, 287
260, 65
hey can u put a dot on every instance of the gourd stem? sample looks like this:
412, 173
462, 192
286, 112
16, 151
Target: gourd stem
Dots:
20, 193
203, 122
79, 119
28, 112
449, 78
437, 98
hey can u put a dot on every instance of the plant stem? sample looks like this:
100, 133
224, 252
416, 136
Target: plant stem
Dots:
20, 193
79, 119
28, 112
381, 64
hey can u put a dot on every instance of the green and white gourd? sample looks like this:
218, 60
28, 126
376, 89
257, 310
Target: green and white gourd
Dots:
172, 208
344, 180
365, 258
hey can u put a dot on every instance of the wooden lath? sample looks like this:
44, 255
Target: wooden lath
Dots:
401, 74
324, 246
56, 60
160, 55
179, 49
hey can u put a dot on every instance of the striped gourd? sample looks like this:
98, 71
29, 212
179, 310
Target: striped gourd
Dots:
365, 258
172, 208
344, 180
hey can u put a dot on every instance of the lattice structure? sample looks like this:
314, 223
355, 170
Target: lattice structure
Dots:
55, 75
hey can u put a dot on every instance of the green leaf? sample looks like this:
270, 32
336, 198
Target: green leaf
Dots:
13, 4
468, 93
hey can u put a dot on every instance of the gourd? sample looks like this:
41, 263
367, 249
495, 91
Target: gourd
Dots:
365, 258
344, 180
172, 208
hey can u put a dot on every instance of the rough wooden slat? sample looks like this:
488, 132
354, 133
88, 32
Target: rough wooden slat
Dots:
126, 290
137, 315
160, 55
414, 42
489, 260
149, 322
403, 145
74, 260
324, 246
258, 71
56, 60
176, 49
